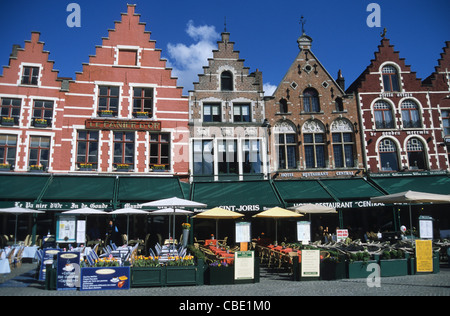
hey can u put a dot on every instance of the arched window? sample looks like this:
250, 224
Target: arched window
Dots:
390, 79
226, 81
410, 114
283, 106
416, 154
383, 115
388, 155
311, 100
314, 141
343, 144
286, 145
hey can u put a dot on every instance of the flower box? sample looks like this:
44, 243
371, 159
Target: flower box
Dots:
141, 114
219, 275
40, 123
158, 168
7, 121
393, 267
106, 113
123, 167
147, 276
5, 167
332, 270
36, 168
358, 269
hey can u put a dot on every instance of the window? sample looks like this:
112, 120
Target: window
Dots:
311, 101
416, 154
42, 112
128, 57
10, 108
287, 151
314, 150
87, 149
143, 102
108, 100
283, 106
446, 121
8, 146
228, 162
211, 112
383, 115
410, 114
160, 151
30, 75
226, 81
123, 149
343, 150
39, 151
241, 113
388, 155
390, 79
203, 157
339, 105
252, 157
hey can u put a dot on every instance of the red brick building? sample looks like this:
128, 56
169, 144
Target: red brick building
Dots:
123, 111
400, 116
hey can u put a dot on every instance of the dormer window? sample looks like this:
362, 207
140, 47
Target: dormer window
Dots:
226, 81
390, 79
311, 100
30, 75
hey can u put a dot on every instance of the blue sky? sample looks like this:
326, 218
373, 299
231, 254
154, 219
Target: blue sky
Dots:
265, 32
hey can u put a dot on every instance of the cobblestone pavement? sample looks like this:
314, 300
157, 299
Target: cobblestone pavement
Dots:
270, 285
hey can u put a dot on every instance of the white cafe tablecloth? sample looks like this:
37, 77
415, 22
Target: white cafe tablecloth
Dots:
4, 266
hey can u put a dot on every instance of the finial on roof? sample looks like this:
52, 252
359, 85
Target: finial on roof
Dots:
383, 34
225, 25
303, 22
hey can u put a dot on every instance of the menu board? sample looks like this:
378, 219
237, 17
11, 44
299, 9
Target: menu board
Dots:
304, 232
243, 232
66, 229
108, 278
310, 263
424, 256
244, 265
68, 271
426, 227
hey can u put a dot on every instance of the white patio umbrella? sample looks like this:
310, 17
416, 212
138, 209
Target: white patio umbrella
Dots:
85, 211
17, 211
411, 197
174, 203
313, 209
128, 211
170, 211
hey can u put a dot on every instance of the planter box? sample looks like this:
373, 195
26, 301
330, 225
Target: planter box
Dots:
219, 275
105, 278
393, 267
358, 269
167, 275
148, 276
332, 270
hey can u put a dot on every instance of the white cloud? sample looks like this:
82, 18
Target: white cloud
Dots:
188, 61
269, 89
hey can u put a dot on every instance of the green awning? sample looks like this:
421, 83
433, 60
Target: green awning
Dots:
430, 184
302, 190
350, 189
239, 196
22, 187
80, 188
146, 189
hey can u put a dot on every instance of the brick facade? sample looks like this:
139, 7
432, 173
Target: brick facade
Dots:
308, 109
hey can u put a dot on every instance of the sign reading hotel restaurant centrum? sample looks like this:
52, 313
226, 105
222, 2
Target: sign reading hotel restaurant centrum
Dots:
129, 125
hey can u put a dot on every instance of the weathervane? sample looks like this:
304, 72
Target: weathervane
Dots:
303, 22
225, 24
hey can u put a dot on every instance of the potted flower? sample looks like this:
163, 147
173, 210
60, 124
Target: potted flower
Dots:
393, 263
106, 113
7, 121
186, 229
219, 272
142, 114
40, 122
357, 263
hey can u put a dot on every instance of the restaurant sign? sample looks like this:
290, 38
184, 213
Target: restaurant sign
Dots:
123, 125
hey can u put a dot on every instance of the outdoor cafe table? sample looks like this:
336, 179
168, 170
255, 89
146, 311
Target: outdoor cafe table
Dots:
4, 263
229, 257
209, 242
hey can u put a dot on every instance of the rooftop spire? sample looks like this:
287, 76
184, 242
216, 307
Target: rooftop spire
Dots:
303, 22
